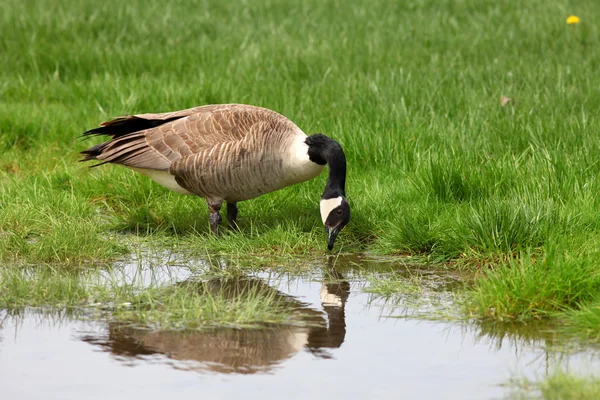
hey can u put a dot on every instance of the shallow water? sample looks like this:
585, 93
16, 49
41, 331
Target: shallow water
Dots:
357, 349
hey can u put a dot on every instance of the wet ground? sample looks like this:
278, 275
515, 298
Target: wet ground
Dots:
356, 347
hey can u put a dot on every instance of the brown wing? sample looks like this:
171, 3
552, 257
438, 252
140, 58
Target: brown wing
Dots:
155, 141
211, 169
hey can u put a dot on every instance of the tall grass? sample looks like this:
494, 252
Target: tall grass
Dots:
584, 322
536, 287
436, 166
410, 90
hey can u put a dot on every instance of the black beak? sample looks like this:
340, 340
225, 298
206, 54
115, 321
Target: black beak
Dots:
332, 233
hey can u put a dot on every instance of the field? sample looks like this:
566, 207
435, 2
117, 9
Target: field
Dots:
440, 171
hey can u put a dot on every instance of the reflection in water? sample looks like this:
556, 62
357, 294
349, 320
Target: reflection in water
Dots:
554, 349
334, 294
225, 351
43, 353
244, 351
535, 334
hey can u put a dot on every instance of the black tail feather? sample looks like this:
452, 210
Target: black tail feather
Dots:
118, 128
123, 126
93, 152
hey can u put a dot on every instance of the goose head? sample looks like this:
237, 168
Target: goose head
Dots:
335, 210
335, 213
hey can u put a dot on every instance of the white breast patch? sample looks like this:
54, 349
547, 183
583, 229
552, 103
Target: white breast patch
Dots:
299, 168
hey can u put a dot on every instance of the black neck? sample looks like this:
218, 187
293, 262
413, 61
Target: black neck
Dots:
324, 150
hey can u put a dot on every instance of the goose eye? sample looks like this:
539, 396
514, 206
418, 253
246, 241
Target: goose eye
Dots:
339, 212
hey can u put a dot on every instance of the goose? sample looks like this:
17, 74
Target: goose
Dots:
226, 153
246, 351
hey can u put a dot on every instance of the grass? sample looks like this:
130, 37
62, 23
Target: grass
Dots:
558, 386
530, 287
584, 322
185, 305
437, 168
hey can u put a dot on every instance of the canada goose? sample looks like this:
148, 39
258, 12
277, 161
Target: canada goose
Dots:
245, 351
226, 152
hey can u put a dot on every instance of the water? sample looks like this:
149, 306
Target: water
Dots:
357, 350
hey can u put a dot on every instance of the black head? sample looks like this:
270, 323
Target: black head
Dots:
335, 213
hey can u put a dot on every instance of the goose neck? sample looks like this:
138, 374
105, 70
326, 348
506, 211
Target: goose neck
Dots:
324, 150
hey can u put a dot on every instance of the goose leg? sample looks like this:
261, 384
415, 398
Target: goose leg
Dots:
215, 216
232, 212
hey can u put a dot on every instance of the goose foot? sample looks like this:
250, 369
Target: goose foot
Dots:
232, 212
215, 216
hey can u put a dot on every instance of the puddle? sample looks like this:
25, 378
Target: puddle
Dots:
352, 349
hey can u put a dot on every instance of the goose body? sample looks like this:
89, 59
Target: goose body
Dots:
223, 153
243, 350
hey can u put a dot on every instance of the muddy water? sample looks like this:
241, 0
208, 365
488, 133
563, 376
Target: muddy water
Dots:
356, 348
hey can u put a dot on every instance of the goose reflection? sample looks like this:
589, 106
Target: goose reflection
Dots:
242, 351
334, 294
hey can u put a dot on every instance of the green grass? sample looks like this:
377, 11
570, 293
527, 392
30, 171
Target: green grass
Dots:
584, 322
530, 287
558, 386
190, 304
436, 167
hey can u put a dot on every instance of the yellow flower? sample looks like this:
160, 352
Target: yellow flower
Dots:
573, 19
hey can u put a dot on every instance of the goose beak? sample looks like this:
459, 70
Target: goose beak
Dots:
332, 234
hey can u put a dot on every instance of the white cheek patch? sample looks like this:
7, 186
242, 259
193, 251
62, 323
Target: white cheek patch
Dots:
330, 299
327, 205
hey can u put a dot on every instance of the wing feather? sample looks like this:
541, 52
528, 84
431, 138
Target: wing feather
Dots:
160, 141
